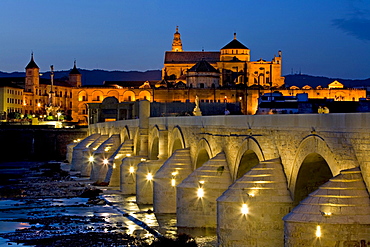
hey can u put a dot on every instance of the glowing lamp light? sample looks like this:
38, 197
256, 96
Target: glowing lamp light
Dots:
149, 177
91, 158
142, 159
200, 192
128, 155
245, 209
105, 161
132, 169
318, 231
114, 166
173, 182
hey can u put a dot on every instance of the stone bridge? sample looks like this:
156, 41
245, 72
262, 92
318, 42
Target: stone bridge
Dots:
271, 180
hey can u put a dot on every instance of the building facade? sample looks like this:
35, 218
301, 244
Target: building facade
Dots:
225, 76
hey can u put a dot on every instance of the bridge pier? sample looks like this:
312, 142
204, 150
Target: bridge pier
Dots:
102, 155
128, 170
144, 180
249, 213
337, 214
197, 194
78, 158
115, 161
174, 170
88, 154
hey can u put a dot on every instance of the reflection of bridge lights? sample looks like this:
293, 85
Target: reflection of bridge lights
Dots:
131, 169
105, 161
114, 165
200, 192
91, 158
245, 209
318, 231
149, 176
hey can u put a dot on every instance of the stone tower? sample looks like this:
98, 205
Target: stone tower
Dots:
75, 76
176, 43
32, 76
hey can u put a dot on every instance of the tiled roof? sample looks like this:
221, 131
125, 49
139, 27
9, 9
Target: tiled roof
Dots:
74, 71
11, 82
128, 84
191, 57
234, 44
56, 82
202, 66
32, 64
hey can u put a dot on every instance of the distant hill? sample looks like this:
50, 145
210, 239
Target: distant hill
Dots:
301, 80
97, 77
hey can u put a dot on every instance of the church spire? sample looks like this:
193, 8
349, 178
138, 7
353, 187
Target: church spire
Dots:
176, 43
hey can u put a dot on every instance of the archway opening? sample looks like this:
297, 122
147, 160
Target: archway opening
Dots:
247, 162
313, 173
202, 158
176, 145
154, 152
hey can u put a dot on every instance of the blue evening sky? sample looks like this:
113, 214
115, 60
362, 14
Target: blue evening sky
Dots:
317, 37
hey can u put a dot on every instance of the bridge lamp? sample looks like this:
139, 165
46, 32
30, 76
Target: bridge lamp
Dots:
128, 155
318, 231
149, 176
244, 209
142, 159
200, 191
91, 159
105, 161
173, 180
131, 169
114, 165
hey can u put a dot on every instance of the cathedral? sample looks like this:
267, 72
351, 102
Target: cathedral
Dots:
229, 67
212, 77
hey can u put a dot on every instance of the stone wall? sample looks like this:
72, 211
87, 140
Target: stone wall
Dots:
36, 142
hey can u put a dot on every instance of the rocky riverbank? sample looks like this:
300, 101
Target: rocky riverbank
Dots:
52, 208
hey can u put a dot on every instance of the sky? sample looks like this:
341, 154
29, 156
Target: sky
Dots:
317, 37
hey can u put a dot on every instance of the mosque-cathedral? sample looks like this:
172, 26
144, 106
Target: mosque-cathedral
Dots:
225, 76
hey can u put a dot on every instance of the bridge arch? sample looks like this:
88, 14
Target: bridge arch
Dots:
249, 155
125, 133
154, 143
204, 153
137, 142
313, 165
177, 140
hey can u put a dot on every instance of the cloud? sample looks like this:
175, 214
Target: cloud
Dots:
358, 27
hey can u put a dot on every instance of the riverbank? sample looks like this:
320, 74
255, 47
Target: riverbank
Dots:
43, 205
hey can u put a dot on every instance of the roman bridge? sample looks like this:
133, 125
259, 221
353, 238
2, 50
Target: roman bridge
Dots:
268, 180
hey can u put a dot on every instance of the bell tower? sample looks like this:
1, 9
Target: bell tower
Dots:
176, 43
32, 76
75, 76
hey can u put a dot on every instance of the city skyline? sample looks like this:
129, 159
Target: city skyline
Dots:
327, 38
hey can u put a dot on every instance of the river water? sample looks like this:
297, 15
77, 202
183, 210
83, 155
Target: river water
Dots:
122, 214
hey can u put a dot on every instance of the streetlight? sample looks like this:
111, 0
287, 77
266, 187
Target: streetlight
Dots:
58, 114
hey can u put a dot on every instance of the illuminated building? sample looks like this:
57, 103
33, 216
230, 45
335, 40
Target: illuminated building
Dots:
224, 76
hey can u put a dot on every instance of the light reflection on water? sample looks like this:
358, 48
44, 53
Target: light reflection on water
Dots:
163, 223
